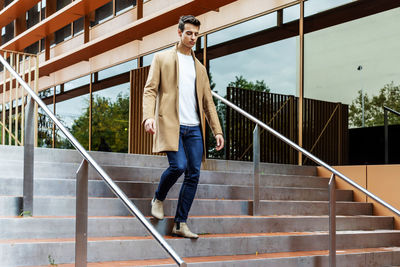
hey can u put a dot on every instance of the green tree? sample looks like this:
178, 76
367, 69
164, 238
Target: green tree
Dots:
243, 83
109, 125
388, 96
240, 82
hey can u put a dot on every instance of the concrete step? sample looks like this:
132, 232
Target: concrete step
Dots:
51, 170
368, 257
145, 174
98, 188
53, 155
64, 227
65, 206
36, 252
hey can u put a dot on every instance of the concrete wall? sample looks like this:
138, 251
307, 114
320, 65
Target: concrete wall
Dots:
381, 180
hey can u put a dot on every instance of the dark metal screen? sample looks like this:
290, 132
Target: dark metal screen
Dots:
325, 131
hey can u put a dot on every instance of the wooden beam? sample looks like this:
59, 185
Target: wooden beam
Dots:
56, 21
51, 8
139, 9
133, 31
20, 24
14, 10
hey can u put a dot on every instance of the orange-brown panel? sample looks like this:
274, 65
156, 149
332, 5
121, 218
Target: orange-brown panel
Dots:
356, 173
15, 10
384, 182
133, 31
56, 21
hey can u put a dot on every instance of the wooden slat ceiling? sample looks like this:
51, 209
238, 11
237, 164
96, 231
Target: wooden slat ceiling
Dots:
56, 21
14, 10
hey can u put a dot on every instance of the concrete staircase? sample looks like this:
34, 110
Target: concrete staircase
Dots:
292, 230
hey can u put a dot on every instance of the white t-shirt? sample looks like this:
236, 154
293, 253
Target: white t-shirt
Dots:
187, 93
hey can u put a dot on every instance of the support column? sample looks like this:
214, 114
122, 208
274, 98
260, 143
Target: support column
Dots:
301, 81
51, 8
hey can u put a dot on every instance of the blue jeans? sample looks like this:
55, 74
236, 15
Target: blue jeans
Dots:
186, 160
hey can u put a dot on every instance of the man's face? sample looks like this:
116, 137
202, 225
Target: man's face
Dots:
189, 35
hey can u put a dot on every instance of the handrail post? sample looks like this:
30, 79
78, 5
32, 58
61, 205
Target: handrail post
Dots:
27, 202
332, 221
256, 170
386, 136
81, 221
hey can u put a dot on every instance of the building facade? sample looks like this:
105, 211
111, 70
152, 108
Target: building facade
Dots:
92, 55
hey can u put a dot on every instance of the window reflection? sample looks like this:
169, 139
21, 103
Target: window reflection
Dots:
275, 64
291, 13
245, 28
124, 5
312, 7
45, 124
147, 59
72, 108
118, 69
110, 119
103, 13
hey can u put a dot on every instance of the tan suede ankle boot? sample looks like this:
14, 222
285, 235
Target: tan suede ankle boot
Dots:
157, 209
181, 229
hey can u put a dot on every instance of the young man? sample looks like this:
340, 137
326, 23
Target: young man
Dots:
176, 95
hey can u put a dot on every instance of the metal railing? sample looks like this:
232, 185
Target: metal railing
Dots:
82, 177
12, 119
332, 182
385, 111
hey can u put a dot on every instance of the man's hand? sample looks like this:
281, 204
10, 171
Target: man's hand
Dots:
220, 142
150, 126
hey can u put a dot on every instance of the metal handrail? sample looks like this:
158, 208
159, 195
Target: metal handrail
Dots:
306, 153
110, 183
385, 111
332, 181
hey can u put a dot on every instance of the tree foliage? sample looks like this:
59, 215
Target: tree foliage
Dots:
240, 82
243, 83
388, 96
110, 122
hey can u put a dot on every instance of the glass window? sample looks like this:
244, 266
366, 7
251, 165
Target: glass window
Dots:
356, 63
245, 28
43, 10
260, 74
72, 108
33, 48
8, 33
103, 13
110, 119
147, 59
124, 5
78, 26
63, 34
7, 2
33, 16
45, 124
118, 69
291, 13
85, 80
312, 7
62, 3
273, 64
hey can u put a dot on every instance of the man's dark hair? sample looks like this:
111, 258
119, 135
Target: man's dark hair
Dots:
188, 19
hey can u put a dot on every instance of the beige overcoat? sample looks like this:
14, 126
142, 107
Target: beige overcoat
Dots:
161, 100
